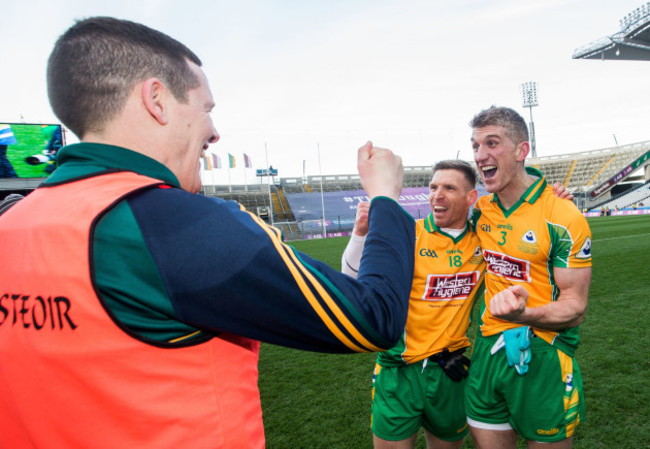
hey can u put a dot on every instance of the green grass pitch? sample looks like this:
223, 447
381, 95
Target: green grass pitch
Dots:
323, 401
30, 142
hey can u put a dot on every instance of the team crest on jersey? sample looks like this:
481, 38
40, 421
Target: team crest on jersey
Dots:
477, 257
450, 287
585, 250
528, 243
511, 268
529, 237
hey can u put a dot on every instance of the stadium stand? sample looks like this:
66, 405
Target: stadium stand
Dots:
582, 172
631, 42
255, 197
635, 198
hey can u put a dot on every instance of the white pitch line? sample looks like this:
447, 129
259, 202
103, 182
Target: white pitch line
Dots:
623, 237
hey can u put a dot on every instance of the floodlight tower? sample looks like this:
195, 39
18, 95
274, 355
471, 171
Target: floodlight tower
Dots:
529, 99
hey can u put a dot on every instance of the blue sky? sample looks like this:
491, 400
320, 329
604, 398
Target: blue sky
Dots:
309, 77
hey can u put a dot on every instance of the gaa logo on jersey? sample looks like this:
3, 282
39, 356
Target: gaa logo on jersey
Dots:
428, 253
506, 266
450, 287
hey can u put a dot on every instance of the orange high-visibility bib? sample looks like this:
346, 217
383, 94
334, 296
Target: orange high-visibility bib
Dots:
71, 377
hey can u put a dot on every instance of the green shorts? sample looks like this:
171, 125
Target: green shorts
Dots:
408, 397
544, 405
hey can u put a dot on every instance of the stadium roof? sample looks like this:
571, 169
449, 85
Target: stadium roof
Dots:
631, 43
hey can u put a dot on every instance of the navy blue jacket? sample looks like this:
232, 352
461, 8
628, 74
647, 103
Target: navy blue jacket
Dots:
175, 268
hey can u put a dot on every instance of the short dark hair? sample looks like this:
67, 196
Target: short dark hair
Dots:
462, 166
514, 124
97, 61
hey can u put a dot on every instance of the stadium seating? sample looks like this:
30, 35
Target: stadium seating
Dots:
582, 172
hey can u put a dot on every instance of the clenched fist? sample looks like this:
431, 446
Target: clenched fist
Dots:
509, 304
381, 171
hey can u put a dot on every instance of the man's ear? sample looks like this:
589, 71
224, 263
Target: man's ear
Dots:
153, 99
522, 151
472, 196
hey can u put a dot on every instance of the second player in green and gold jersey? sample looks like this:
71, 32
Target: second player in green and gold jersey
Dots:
521, 245
448, 273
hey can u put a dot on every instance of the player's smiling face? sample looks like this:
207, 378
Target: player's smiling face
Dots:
496, 156
450, 196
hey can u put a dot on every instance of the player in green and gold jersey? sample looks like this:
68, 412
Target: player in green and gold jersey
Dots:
538, 253
420, 382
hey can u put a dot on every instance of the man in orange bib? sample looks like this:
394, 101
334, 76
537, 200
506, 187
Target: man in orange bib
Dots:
131, 308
